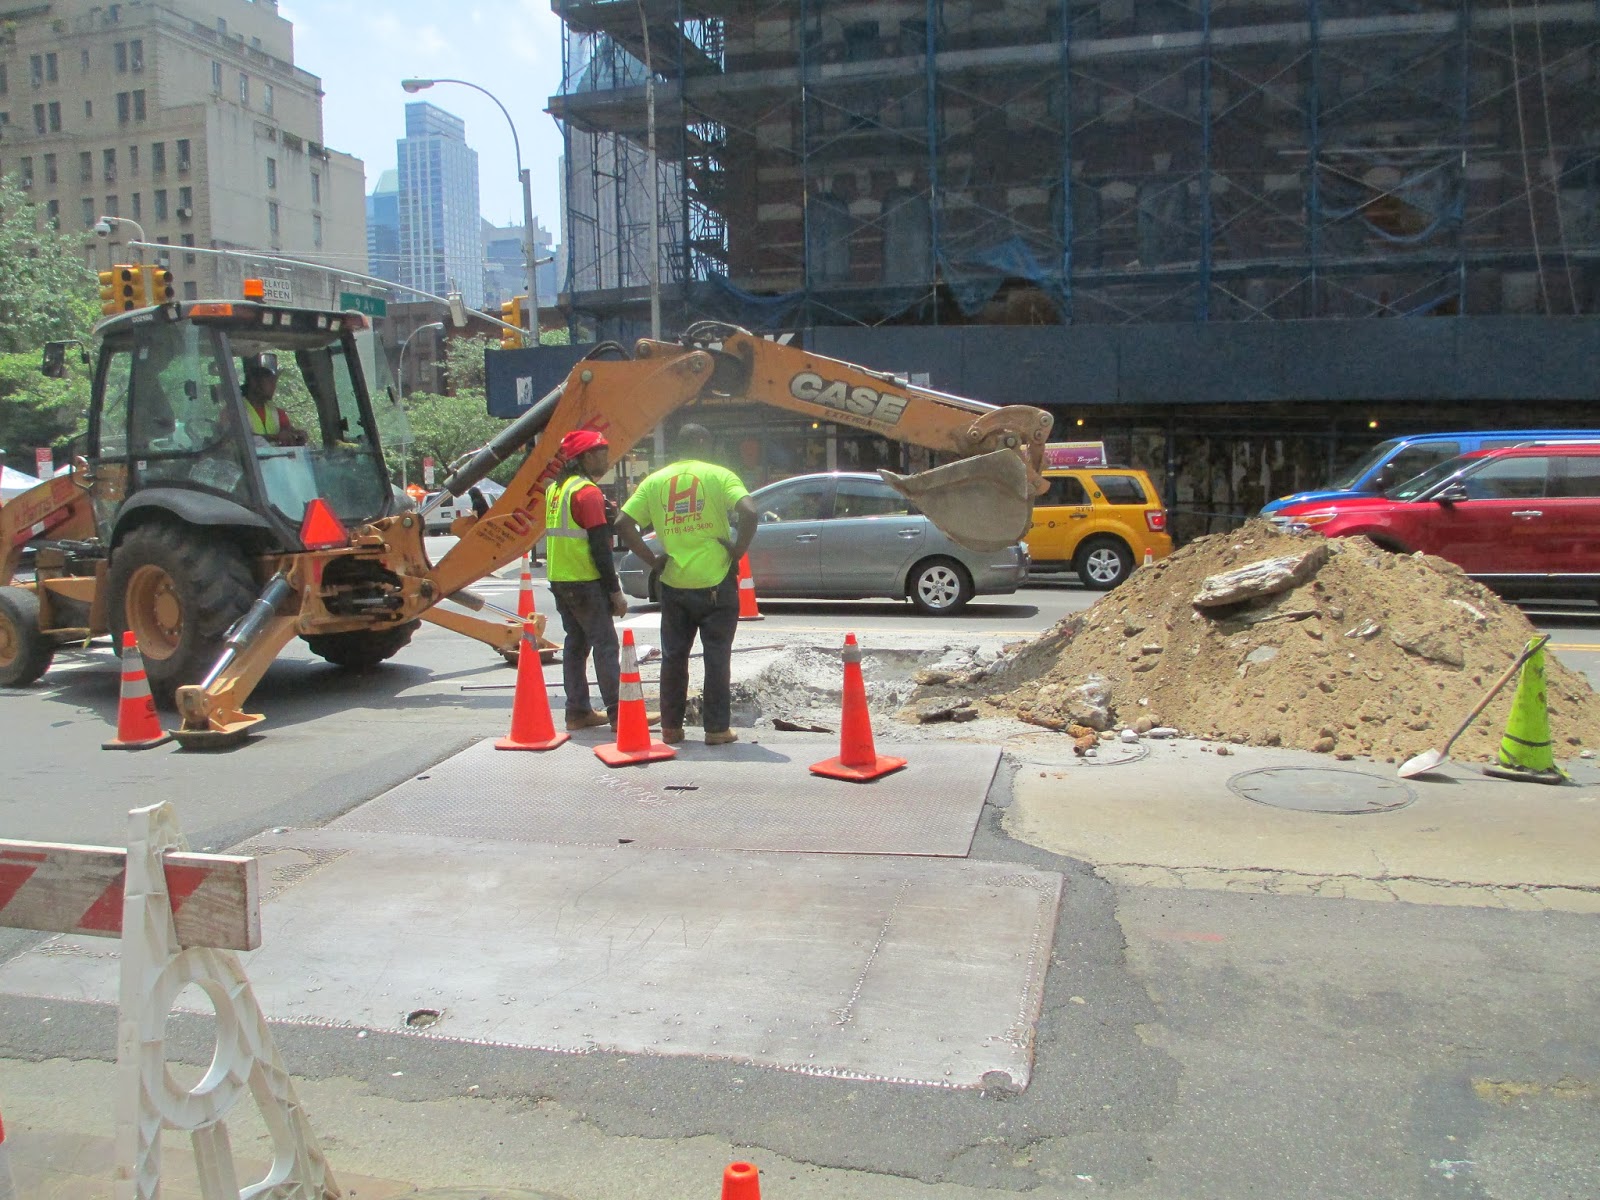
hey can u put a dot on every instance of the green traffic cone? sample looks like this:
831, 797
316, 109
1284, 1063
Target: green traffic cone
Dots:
1525, 750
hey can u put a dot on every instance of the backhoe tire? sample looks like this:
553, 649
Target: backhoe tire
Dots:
25, 653
363, 648
1103, 562
939, 587
179, 589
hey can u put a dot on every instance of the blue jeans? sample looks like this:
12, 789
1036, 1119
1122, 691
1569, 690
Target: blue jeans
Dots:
585, 612
713, 613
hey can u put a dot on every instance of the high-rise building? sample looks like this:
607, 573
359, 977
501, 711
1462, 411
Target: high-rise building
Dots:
383, 228
505, 269
188, 118
440, 246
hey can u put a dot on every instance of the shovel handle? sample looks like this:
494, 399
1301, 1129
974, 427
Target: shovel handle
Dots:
1528, 652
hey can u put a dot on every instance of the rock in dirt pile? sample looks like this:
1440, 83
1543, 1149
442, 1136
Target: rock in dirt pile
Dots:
1329, 645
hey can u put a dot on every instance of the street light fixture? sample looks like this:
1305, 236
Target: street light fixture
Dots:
103, 228
417, 85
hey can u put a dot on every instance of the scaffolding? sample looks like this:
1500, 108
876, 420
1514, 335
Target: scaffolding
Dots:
839, 162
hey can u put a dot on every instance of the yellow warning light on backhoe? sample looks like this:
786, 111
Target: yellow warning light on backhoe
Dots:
254, 290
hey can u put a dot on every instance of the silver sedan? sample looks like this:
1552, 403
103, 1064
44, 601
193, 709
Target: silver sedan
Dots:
848, 536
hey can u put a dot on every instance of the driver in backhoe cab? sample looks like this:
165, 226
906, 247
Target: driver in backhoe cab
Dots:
267, 420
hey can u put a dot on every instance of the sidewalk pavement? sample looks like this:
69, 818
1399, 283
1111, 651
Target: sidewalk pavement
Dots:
1170, 820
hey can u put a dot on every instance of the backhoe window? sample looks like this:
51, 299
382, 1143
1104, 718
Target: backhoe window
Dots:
112, 432
178, 430
316, 443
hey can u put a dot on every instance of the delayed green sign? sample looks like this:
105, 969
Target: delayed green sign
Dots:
373, 306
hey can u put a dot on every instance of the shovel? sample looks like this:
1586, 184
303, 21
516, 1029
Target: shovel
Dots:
1429, 759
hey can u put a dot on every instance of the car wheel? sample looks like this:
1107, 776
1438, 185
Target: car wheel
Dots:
939, 587
1103, 562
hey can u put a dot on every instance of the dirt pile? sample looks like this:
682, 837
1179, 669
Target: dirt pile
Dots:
1364, 652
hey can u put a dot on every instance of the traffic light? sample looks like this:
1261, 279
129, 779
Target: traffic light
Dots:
511, 314
158, 285
121, 290
109, 302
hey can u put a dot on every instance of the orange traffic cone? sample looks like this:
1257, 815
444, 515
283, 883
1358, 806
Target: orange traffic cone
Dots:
1149, 556
859, 760
525, 607
633, 744
8, 1186
741, 1181
138, 728
531, 726
747, 592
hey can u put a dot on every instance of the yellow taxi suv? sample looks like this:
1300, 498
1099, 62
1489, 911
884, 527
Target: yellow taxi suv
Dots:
1099, 522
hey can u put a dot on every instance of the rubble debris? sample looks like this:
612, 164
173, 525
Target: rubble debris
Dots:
1267, 577
1286, 651
926, 712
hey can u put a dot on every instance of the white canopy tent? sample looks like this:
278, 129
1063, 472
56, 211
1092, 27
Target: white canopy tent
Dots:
13, 483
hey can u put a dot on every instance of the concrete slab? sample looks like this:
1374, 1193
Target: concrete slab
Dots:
746, 796
1171, 821
926, 971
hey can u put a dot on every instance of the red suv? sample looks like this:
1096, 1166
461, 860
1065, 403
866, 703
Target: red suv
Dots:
1525, 520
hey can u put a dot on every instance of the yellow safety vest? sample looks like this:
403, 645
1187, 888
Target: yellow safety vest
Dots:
265, 424
567, 555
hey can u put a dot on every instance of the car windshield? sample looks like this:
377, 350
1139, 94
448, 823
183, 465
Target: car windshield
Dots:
1422, 484
1347, 481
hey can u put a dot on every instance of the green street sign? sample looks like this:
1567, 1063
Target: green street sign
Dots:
373, 306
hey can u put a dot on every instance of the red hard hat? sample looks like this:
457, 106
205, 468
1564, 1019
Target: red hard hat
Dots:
580, 441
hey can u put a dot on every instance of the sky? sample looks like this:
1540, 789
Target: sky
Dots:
362, 50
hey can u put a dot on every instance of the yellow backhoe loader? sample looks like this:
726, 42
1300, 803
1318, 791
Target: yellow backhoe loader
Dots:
218, 543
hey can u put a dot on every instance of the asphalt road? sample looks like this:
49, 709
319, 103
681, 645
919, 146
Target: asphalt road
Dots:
1334, 1056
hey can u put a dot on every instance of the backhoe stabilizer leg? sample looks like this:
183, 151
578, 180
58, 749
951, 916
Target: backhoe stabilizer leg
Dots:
503, 636
212, 717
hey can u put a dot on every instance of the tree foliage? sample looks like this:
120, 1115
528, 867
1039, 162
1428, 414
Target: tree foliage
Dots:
48, 295
445, 427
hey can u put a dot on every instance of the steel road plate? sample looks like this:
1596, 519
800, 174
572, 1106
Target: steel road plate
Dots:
746, 796
926, 971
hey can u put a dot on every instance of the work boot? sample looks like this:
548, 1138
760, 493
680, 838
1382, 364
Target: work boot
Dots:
587, 720
670, 735
721, 737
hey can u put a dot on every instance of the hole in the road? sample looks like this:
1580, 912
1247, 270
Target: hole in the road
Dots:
423, 1018
624, 841
424, 776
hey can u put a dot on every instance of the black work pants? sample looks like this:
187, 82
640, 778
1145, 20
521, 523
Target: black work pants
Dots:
713, 614
585, 612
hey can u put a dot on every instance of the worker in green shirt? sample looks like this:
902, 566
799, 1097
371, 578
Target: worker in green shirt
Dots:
691, 504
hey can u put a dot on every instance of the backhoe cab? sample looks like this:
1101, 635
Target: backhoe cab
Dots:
209, 525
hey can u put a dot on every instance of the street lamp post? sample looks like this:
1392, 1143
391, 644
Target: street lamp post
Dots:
416, 85
400, 390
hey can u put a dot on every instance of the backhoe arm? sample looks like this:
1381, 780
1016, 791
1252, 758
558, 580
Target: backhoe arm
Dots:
984, 501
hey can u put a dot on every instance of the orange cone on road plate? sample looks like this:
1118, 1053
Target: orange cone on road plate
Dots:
859, 760
633, 744
531, 726
138, 727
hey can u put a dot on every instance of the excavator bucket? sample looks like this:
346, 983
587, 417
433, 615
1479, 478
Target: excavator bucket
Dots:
985, 502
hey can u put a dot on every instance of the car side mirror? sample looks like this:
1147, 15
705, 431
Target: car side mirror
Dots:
54, 365
1450, 493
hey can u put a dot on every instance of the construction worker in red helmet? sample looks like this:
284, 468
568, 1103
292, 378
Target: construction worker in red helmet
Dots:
583, 576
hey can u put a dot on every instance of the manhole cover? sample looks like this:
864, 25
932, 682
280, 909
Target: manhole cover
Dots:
1316, 789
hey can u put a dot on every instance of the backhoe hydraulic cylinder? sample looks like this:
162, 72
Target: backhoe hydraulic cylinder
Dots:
246, 628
